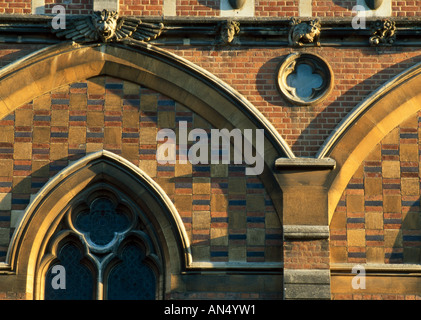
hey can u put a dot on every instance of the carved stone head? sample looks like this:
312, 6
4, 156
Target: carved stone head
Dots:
105, 23
229, 30
313, 29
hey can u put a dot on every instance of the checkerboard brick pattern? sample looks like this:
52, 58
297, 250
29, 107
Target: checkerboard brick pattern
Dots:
228, 215
358, 72
377, 219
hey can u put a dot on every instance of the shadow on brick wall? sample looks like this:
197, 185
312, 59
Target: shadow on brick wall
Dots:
315, 123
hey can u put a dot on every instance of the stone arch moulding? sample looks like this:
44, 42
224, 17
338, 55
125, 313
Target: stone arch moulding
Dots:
366, 125
152, 67
146, 65
45, 212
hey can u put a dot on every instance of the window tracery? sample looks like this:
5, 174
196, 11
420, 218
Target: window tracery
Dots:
106, 254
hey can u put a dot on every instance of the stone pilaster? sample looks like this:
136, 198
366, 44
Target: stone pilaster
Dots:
305, 227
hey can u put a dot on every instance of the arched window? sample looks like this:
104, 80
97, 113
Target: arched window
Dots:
79, 278
103, 247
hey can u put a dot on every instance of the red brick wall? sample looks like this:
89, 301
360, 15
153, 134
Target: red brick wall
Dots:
357, 72
267, 8
198, 8
15, 6
263, 8
323, 8
73, 7
406, 8
326, 8
141, 8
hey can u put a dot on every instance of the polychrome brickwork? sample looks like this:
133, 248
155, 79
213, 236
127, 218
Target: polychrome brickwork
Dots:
357, 72
228, 215
377, 219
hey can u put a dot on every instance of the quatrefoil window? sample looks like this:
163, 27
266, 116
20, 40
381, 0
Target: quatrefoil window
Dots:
102, 221
304, 79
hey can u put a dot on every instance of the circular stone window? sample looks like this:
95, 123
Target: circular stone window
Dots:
304, 78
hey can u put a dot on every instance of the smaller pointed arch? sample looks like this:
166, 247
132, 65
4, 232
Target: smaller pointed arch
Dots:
366, 125
46, 210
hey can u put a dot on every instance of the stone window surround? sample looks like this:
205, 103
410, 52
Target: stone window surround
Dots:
319, 65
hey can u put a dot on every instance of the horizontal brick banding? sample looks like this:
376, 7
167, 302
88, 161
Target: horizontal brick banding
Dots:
379, 223
40, 139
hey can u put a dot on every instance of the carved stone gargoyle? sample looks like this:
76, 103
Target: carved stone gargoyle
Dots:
227, 33
106, 26
383, 33
304, 32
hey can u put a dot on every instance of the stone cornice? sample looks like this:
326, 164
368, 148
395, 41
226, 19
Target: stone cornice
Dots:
253, 32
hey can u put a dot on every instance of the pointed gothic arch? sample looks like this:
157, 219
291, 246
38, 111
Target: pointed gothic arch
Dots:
366, 125
146, 65
151, 67
29, 251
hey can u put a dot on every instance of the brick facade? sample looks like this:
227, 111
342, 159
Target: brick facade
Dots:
377, 219
357, 72
15, 6
211, 8
220, 206
231, 218
72, 7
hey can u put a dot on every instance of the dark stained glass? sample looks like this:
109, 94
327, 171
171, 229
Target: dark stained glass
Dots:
78, 279
131, 279
102, 221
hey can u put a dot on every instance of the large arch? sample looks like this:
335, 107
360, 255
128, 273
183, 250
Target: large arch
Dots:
145, 65
366, 125
43, 215
197, 89
154, 68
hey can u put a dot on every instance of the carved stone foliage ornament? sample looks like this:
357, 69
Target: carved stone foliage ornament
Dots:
304, 78
383, 32
106, 26
304, 32
228, 30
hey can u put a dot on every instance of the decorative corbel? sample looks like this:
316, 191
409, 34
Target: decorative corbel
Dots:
228, 30
304, 32
107, 26
383, 33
